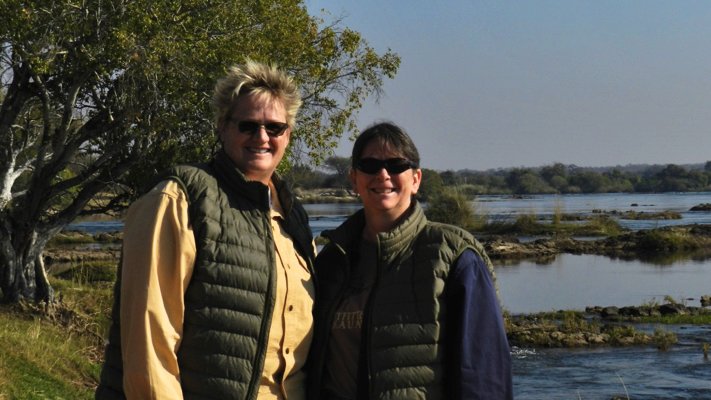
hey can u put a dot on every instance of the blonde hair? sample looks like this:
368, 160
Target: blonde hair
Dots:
254, 77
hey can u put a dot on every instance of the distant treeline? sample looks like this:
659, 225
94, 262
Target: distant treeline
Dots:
555, 178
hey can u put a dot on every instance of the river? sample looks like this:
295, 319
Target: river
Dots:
576, 281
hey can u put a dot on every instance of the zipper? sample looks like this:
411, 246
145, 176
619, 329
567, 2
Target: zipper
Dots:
258, 365
368, 322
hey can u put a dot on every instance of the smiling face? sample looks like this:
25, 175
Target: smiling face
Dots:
386, 197
256, 155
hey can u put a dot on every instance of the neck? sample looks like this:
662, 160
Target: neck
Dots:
381, 222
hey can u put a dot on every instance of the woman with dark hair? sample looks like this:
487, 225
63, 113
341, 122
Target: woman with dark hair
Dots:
406, 308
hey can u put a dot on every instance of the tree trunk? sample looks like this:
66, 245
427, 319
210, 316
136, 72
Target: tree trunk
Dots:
22, 272
43, 290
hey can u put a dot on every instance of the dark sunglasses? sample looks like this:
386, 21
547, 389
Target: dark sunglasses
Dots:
273, 129
394, 166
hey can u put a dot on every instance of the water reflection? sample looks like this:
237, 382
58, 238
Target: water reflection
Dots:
571, 281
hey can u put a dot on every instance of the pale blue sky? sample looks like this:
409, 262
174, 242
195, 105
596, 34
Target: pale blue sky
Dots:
491, 84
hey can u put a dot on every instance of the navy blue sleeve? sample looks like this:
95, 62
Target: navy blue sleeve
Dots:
479, 358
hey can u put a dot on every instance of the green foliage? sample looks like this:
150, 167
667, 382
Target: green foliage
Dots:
664, 339
341, 167
678, 319
431, 185
526, 181
89, 272
304, 177
40, 359
620, 333
529, 224
663, 215
657, 240
55, 351
97, 97
452, 207
600, 225
556, 178
573, 321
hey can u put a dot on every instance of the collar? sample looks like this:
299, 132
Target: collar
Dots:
258, 193
391, 242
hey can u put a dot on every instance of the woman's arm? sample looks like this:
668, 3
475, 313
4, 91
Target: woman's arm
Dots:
158, 256
479, 360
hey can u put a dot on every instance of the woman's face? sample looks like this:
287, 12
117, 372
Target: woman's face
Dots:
385, 194
256, 153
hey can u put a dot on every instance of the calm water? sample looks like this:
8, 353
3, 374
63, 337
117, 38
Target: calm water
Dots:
506, 207
499, 208
574, 282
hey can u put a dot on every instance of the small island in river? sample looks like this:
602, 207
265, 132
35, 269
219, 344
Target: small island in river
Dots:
95, 257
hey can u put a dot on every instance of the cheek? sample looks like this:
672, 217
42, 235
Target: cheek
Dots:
415, 187
221, 136
359, 184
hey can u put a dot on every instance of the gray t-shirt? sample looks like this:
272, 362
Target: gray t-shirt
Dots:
344, 345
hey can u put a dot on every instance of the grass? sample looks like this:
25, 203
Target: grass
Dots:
668, 241
38, 359
529, 224
573, 328
650, 216
687, 319
55, 352
664, 339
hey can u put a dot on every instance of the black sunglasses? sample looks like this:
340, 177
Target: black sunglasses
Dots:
274, 129
394, 166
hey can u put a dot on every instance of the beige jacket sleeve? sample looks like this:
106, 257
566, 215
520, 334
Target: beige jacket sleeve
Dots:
158, 256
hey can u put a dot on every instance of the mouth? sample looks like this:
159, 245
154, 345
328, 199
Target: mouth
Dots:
257, 150
383, 190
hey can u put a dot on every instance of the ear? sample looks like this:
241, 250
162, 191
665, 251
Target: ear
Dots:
352, 178
221, 128
416, 180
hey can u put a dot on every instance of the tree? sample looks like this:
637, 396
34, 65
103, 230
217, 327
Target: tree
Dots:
305, 177
526, 181
98, 96
430, 186
556, 176
341, 166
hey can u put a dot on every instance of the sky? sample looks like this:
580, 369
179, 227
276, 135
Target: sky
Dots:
499, 84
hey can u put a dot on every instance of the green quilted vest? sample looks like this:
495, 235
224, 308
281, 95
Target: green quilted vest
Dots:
404, 329
230, 298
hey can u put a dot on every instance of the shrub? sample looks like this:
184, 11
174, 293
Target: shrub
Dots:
664, 339
665, 241
452, 207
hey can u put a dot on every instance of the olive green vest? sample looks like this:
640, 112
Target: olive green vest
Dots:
404, 327
230, 298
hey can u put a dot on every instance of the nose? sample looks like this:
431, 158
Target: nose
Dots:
382, 174
261, 134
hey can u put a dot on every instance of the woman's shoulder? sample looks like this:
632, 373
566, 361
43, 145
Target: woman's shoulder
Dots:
447, 230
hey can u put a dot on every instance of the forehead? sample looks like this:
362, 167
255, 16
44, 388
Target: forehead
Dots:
378, 148
258, 103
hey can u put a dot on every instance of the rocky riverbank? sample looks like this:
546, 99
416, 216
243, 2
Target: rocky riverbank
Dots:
606, 326
97, 256
691, 240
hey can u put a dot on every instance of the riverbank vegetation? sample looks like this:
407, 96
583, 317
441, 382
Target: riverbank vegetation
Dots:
549, 179
55, 351
605, 326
